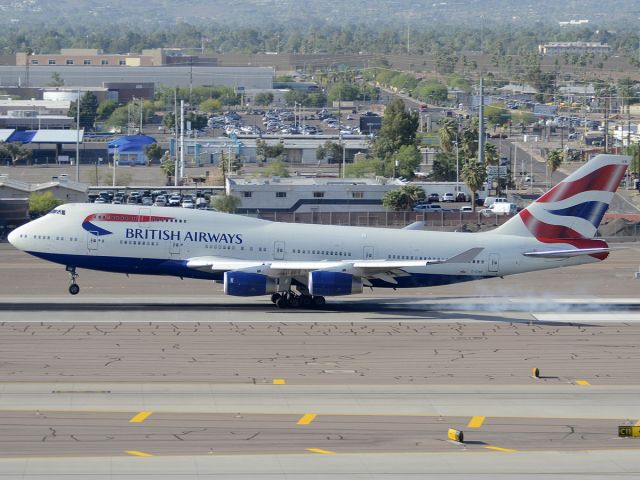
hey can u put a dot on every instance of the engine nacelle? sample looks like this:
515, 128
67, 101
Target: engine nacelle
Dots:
323, 283
244, 284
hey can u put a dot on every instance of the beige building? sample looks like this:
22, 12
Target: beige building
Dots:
65, 190
95, 57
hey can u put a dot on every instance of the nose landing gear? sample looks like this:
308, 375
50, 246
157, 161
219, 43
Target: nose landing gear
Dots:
74, 288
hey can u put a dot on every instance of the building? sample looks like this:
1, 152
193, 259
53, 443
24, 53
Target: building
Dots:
298, 149
129, 149
576, 48
63, 189
303, 195
13, 213
48, 146
260, 78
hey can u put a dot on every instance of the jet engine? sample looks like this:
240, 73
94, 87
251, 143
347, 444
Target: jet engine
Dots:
244, 284
326, 283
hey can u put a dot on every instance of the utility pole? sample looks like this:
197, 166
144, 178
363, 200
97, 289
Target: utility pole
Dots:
481, 138
181, 139
175, 136
78, 138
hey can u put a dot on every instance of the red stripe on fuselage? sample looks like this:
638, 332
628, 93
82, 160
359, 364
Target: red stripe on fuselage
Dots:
124, 217
605, 179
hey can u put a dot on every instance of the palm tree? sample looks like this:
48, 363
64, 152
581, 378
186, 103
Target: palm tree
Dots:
490, 154
474, 175
448, 134
554, 159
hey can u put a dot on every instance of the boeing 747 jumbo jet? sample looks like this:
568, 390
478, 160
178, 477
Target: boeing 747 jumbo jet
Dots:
256, 257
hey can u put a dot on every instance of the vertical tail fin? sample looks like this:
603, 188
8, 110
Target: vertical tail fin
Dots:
574, 208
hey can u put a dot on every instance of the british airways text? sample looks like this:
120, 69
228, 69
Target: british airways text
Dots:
203, 237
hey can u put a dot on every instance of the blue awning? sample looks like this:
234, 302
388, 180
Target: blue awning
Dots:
130, 143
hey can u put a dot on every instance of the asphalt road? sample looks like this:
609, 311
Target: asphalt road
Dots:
53, 434
379, 378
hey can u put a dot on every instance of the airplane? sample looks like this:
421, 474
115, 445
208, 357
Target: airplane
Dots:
253, 257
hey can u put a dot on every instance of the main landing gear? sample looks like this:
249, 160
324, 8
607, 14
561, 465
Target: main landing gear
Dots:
293, 300
74, 288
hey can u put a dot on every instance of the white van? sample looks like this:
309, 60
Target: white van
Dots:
500, 208
491, 200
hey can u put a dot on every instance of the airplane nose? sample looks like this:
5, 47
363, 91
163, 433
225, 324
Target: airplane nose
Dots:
15, 237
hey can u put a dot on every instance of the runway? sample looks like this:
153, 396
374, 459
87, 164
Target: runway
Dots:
54, 434
219, 385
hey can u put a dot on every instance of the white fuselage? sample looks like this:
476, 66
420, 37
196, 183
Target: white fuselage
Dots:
121, 238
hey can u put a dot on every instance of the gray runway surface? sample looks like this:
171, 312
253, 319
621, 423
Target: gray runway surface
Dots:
111, 434
224, 381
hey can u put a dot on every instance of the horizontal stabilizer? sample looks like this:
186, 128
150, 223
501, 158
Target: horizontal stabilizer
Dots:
414, 226
573, 252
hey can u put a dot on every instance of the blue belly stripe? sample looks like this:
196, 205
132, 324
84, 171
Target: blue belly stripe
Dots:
178, 268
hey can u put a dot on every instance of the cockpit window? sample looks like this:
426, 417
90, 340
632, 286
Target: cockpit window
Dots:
58, 211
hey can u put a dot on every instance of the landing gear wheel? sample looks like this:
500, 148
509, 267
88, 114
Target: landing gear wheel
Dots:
74, 289
282, 302
275, 297
319, 301
306, 301
295, 302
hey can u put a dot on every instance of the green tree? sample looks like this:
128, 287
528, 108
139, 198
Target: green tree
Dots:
265, 152
497, 114
365, 168
56, 80
490, 154
276, 168
330, 150
444, 167
41, 203
448, 134
168, 167
554, 160
105, 109
15, 151
118, 118
633, 151
225, 203
210, 105
263, 98
154, 152
404, 162
474, 175
343, 91
431, 91
403, 198
399, 128
198, 121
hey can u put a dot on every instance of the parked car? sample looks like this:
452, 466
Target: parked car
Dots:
174, 200
161, 201
462, 197
447, 197
428, 207
466, 209
433, 197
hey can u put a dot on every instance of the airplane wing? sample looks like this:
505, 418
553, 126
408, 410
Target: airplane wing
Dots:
364, 268
573, 252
